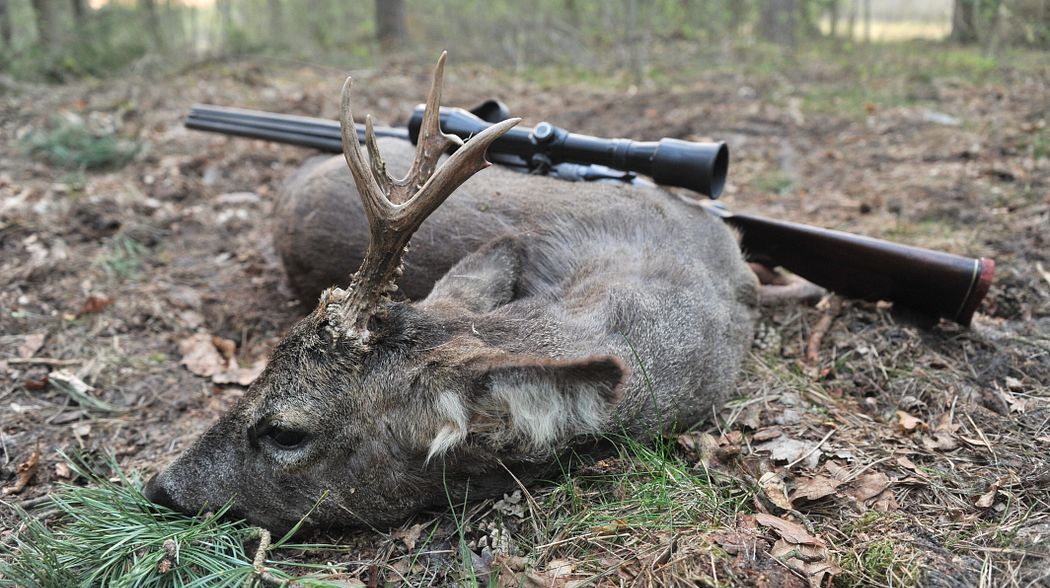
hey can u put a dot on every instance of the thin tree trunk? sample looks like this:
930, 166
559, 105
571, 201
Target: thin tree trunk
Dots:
390, 24
45, 24
633, 40
778, 22
851, 23
991, 32
276, 21
964, 21
573, 12
5, 24
833, 15
867, 21
149, 13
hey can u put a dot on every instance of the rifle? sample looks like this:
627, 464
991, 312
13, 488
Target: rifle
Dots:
932, 283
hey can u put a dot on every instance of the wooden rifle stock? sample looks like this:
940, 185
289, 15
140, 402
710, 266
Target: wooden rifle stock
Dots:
933, 283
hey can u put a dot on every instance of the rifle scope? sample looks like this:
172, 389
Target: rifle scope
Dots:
700, 167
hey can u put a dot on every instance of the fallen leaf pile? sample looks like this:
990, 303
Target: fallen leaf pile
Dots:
214, 357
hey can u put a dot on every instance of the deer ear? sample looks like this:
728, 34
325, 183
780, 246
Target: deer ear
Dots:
483, 280
538, 403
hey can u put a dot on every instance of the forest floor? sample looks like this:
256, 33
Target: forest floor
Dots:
895, 453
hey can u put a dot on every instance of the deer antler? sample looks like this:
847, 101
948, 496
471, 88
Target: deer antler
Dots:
396, 208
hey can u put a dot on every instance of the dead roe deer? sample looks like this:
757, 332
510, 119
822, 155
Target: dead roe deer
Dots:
550, 316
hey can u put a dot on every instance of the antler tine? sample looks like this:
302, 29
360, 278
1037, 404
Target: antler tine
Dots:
372, 194
464, 163
430, 144
375, 158
394, 215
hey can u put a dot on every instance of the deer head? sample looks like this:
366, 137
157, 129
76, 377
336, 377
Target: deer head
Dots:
370, 409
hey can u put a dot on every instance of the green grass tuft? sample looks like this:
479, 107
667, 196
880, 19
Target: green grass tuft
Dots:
108, 534
72, 145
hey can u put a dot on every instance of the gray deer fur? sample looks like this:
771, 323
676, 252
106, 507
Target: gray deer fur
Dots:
548, 316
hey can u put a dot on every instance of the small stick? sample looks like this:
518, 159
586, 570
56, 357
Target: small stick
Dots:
823, 325
41, 361
805, 455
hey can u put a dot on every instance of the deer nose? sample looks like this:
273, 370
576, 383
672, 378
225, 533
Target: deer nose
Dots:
156, 493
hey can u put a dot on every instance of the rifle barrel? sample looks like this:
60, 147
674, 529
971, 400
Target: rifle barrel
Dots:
303, 131
934, 283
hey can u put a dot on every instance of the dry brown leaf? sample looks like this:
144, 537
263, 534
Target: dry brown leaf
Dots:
62, 470
775, 489
810, 561
213, 357
868, 486
200, 356
907, 423
940, 441
225, 346
885, 502
766, 434
30, 345
945, 425
94, 304
791, 532
976, 442
837, 470
815, 488
786, 449
408, 536
24, 474
557, 568
987, 499
242, 376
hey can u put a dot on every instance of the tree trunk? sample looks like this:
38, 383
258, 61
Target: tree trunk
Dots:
80, 9
737, 15
989, 30
152, 22
833, 16
390, 24
851, 22
867, 21
5, 24
573, 12
276, 21
46, 29
778, 22
964, 21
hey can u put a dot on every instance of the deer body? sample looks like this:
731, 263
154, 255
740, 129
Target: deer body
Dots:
551, 314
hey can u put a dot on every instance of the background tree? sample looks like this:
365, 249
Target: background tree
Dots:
390, 24
5, 25
152, 22
46, 24
964, 21
778, 21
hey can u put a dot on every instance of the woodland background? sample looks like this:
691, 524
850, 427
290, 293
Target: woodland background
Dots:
140, 291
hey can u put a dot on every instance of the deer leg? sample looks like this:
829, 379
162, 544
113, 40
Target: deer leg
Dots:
778, 287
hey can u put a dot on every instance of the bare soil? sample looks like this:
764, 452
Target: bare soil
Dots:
936, 437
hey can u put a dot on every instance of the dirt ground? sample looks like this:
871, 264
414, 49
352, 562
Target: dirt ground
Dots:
913, 453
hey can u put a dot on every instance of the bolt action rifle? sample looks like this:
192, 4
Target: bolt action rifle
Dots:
932, 283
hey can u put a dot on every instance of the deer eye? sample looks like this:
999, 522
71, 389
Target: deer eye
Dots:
285, 438
279, 436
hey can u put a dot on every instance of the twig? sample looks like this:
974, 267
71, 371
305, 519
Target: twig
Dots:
40, 361
834, 306
259, 563
805, 455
